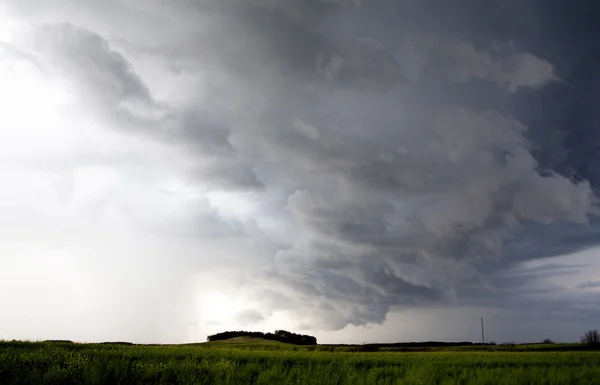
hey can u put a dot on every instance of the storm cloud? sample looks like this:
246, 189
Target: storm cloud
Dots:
354, 158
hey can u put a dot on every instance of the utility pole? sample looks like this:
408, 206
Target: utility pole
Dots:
482, 334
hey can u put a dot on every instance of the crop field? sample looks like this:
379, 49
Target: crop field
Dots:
260, 362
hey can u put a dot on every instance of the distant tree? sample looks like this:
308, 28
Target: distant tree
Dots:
279, 335
547, 341
591, 337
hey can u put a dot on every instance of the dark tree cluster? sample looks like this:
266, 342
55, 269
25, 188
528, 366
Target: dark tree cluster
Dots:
278, 335
591, 337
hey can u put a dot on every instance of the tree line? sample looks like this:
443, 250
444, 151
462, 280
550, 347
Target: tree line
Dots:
278, 335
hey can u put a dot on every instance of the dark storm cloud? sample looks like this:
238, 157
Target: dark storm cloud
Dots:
348, 288
459, 61
406, 141
529, 292
283, 41
537, 241
567, 114
422, 189
397, 193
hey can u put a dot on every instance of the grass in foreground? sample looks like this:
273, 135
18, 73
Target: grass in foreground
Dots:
257, 362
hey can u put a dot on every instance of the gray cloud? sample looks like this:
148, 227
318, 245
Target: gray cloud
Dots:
88, 57
535, 294
249, 317
589, 285
421, 188
425, 191
461, 61
386, 182
110, 82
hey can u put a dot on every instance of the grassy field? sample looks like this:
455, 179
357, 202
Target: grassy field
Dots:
243, 361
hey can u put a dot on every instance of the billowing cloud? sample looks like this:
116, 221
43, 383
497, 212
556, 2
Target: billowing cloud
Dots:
420, 216
337, 163
461, 61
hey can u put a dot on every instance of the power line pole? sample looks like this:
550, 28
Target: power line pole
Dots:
482, 334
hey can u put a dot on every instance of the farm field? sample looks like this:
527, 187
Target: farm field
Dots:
249, 361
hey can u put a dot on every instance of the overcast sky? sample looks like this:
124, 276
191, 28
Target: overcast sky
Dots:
358, 170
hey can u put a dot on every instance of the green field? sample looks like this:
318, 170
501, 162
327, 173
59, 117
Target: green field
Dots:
248, 361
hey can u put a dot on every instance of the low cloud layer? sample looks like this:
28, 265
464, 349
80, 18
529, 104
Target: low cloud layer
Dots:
339, 161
